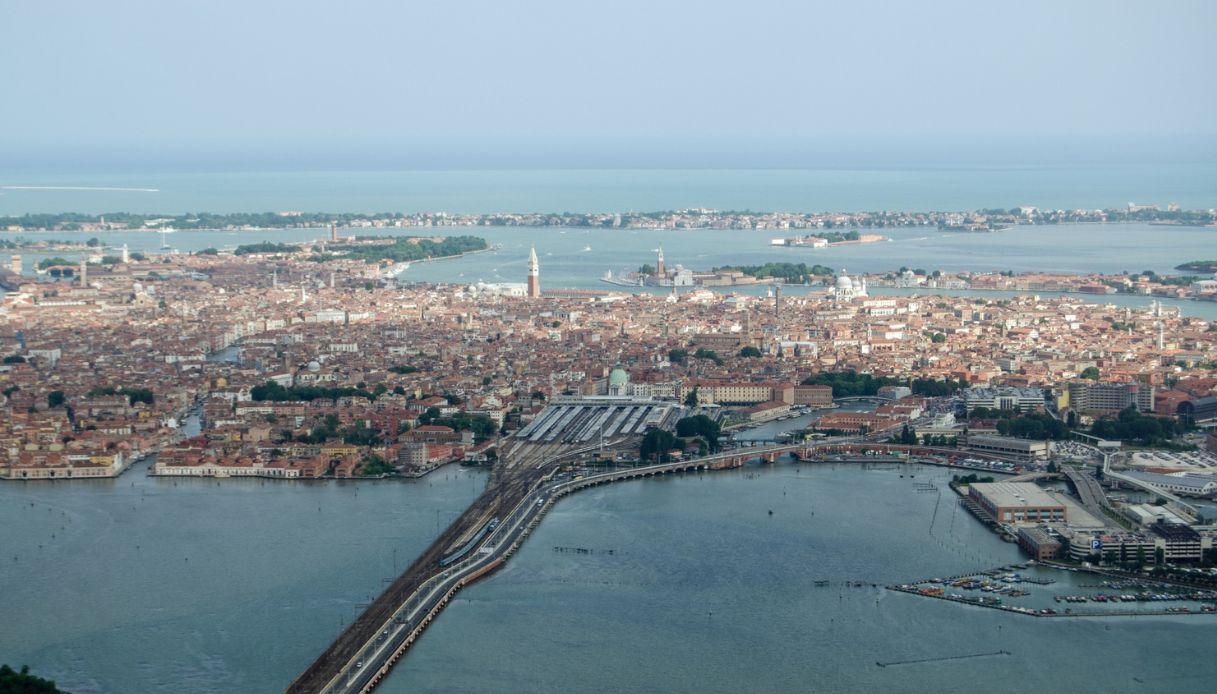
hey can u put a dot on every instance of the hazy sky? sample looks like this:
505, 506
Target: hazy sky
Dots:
564, 82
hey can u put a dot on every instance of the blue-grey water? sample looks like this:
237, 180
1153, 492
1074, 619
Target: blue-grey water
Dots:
578, 258
146, 585
188, 586
590, 190
707, 592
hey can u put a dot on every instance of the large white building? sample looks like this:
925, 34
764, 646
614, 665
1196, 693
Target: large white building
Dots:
847, 289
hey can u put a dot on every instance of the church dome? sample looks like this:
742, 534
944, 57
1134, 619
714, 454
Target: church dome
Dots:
618, 377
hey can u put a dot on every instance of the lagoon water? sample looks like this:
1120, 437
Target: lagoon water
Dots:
708, 592
145, 584
192, 586
150, 585
567, 262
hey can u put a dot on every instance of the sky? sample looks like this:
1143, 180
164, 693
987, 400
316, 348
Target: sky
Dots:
559, 83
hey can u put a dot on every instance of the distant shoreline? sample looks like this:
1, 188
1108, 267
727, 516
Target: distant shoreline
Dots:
797, 223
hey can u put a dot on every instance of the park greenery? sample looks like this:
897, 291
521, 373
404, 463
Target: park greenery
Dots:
656, 446
1031, 425
839, 237
483, 427
357, 434
750, 352
266, 247
376, 466
699, 425
403, 248
678, 356
971, 478
791, 273
277, 393
709, 354
134, 395
52, 262
846, 384
1133, 427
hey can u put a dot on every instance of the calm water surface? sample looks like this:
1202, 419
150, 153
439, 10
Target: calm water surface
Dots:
567, 262
147, 586
1194, 186
707, 592
154, 585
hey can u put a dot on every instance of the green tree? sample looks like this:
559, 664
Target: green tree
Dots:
14, 682
266, 247
702, 426
55, 398
1091, 372
51, 262
750, 352
678, 356
656, 445
691, 398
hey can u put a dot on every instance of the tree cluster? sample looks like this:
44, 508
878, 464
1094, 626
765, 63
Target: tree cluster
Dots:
134, 395
277, 393
702, 426
656, 446
793, 273
1132, 426
266, 247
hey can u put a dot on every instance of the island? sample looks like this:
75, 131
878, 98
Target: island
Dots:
826, 239
1206, 266
823, 223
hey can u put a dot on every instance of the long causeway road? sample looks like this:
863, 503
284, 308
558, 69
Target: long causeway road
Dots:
370, 645
478, 542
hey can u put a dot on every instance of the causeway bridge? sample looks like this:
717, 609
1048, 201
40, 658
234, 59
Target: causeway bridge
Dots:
365, 652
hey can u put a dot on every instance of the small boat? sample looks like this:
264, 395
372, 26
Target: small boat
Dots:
587, 249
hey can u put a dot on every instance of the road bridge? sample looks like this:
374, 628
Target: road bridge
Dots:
1090, 492
365, 652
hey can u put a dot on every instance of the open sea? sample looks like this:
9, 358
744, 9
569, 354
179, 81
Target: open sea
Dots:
1194, 186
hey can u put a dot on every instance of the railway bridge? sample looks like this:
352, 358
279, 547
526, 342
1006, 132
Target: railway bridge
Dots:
365, 652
